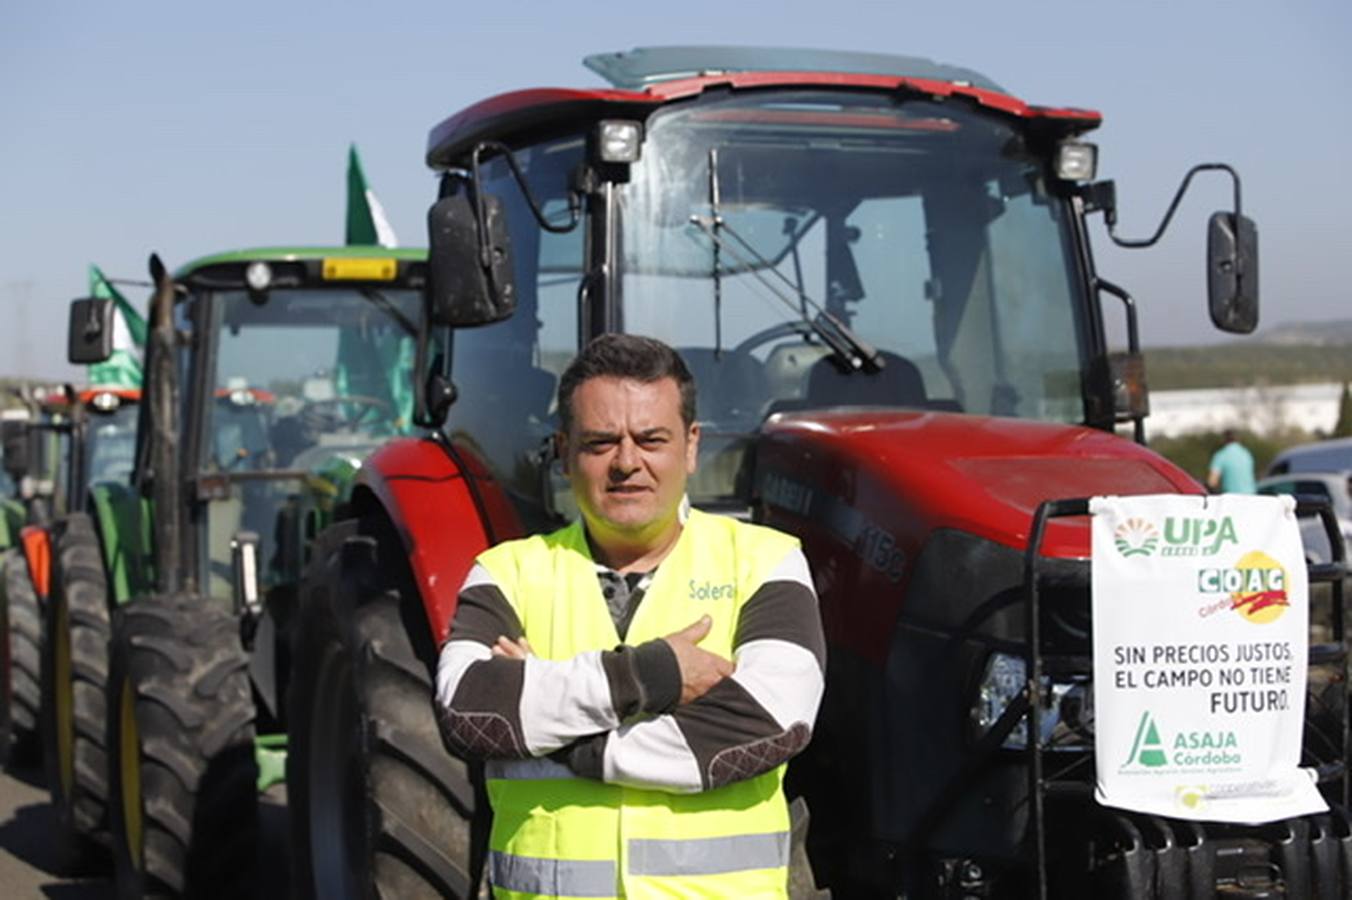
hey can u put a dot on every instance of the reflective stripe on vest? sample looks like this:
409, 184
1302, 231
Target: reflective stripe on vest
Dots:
708, 856
552, 877
549, 826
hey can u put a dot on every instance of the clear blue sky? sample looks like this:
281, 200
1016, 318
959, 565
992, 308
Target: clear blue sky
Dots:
189, 128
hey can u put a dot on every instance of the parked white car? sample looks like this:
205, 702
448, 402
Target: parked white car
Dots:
1336, 486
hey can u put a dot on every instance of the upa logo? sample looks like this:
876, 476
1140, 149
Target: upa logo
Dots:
1256, 585
1189, 536
1136, 537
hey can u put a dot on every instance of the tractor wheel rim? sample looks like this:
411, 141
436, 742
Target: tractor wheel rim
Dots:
62, 692
129, 759
335, 784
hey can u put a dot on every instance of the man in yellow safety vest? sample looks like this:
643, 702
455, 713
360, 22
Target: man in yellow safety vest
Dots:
637, 680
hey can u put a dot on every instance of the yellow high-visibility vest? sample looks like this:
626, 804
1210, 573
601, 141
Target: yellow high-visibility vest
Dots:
560, 836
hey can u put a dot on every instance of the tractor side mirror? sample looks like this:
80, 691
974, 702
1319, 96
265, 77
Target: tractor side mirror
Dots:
14, 445
90, 338
470, 280
1232, 272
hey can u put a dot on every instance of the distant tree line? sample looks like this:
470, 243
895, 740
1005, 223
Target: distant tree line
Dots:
1245, 364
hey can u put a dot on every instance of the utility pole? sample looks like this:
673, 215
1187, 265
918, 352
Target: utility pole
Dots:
18, 351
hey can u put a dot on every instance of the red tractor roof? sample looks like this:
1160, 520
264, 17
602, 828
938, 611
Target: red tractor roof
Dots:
504, 115
123, 394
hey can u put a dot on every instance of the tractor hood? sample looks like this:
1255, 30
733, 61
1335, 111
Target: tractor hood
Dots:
907, 474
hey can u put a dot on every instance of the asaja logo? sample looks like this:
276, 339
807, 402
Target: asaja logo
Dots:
1147, 749
1136, 537
1256, 585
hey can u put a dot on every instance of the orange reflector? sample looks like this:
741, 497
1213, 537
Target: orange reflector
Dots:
37, 550
360, 269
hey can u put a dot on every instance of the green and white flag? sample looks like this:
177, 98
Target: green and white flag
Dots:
366, 221
123, 368
374, 364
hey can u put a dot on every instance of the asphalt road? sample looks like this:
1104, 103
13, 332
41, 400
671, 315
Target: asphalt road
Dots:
35, 863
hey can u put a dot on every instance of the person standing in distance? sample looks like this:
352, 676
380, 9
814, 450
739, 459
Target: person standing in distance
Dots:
637, 680
1231, 469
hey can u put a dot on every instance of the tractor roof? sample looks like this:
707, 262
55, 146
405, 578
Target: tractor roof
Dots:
645, 78
123, 394
301, 254
643, 66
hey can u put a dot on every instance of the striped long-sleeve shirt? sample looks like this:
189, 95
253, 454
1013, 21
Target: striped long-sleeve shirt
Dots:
613, 714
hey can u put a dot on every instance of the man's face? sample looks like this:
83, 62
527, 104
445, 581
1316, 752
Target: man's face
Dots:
628, 455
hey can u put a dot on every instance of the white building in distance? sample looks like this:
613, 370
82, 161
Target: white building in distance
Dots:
1260, 409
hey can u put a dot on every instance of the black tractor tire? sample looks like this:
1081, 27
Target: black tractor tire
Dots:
23, 639
378, 806
75, 679
183, 815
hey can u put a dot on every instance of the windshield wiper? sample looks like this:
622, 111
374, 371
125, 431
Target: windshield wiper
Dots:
848, 346
384, 303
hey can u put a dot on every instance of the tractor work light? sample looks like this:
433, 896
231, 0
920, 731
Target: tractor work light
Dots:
1076, 161
258, 276
103, 401
619, 140
1067, 713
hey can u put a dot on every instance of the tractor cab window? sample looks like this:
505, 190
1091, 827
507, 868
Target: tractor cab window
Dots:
301, 371
304, 379
111, 452
507, 373
926, 228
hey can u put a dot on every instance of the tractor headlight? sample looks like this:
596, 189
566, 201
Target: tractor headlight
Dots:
258, 276
619, 140
1076, 161
1067, 711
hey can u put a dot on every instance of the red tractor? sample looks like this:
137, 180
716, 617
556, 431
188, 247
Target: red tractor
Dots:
879, 270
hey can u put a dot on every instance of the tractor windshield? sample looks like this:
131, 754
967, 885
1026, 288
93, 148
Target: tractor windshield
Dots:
780, 239
303, 373
111, 450
306, 380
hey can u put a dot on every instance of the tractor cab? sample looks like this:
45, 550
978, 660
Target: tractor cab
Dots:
36, 451
107, 444
302, 363
292, 364
808, 233
297, 363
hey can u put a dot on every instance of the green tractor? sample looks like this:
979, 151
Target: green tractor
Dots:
270, 374
58, 441
99, 439
32, 492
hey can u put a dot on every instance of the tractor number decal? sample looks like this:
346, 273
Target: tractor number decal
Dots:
875, 546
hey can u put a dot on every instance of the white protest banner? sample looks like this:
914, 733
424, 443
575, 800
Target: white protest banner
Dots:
1201, 637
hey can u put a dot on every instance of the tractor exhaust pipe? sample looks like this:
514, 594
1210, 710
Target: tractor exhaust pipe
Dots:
166, 488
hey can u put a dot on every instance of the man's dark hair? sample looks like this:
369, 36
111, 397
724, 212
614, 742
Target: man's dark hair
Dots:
626, 356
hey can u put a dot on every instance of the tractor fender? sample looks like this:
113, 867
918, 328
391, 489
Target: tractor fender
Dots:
446, 508
37, 551
11, 520
122, 519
